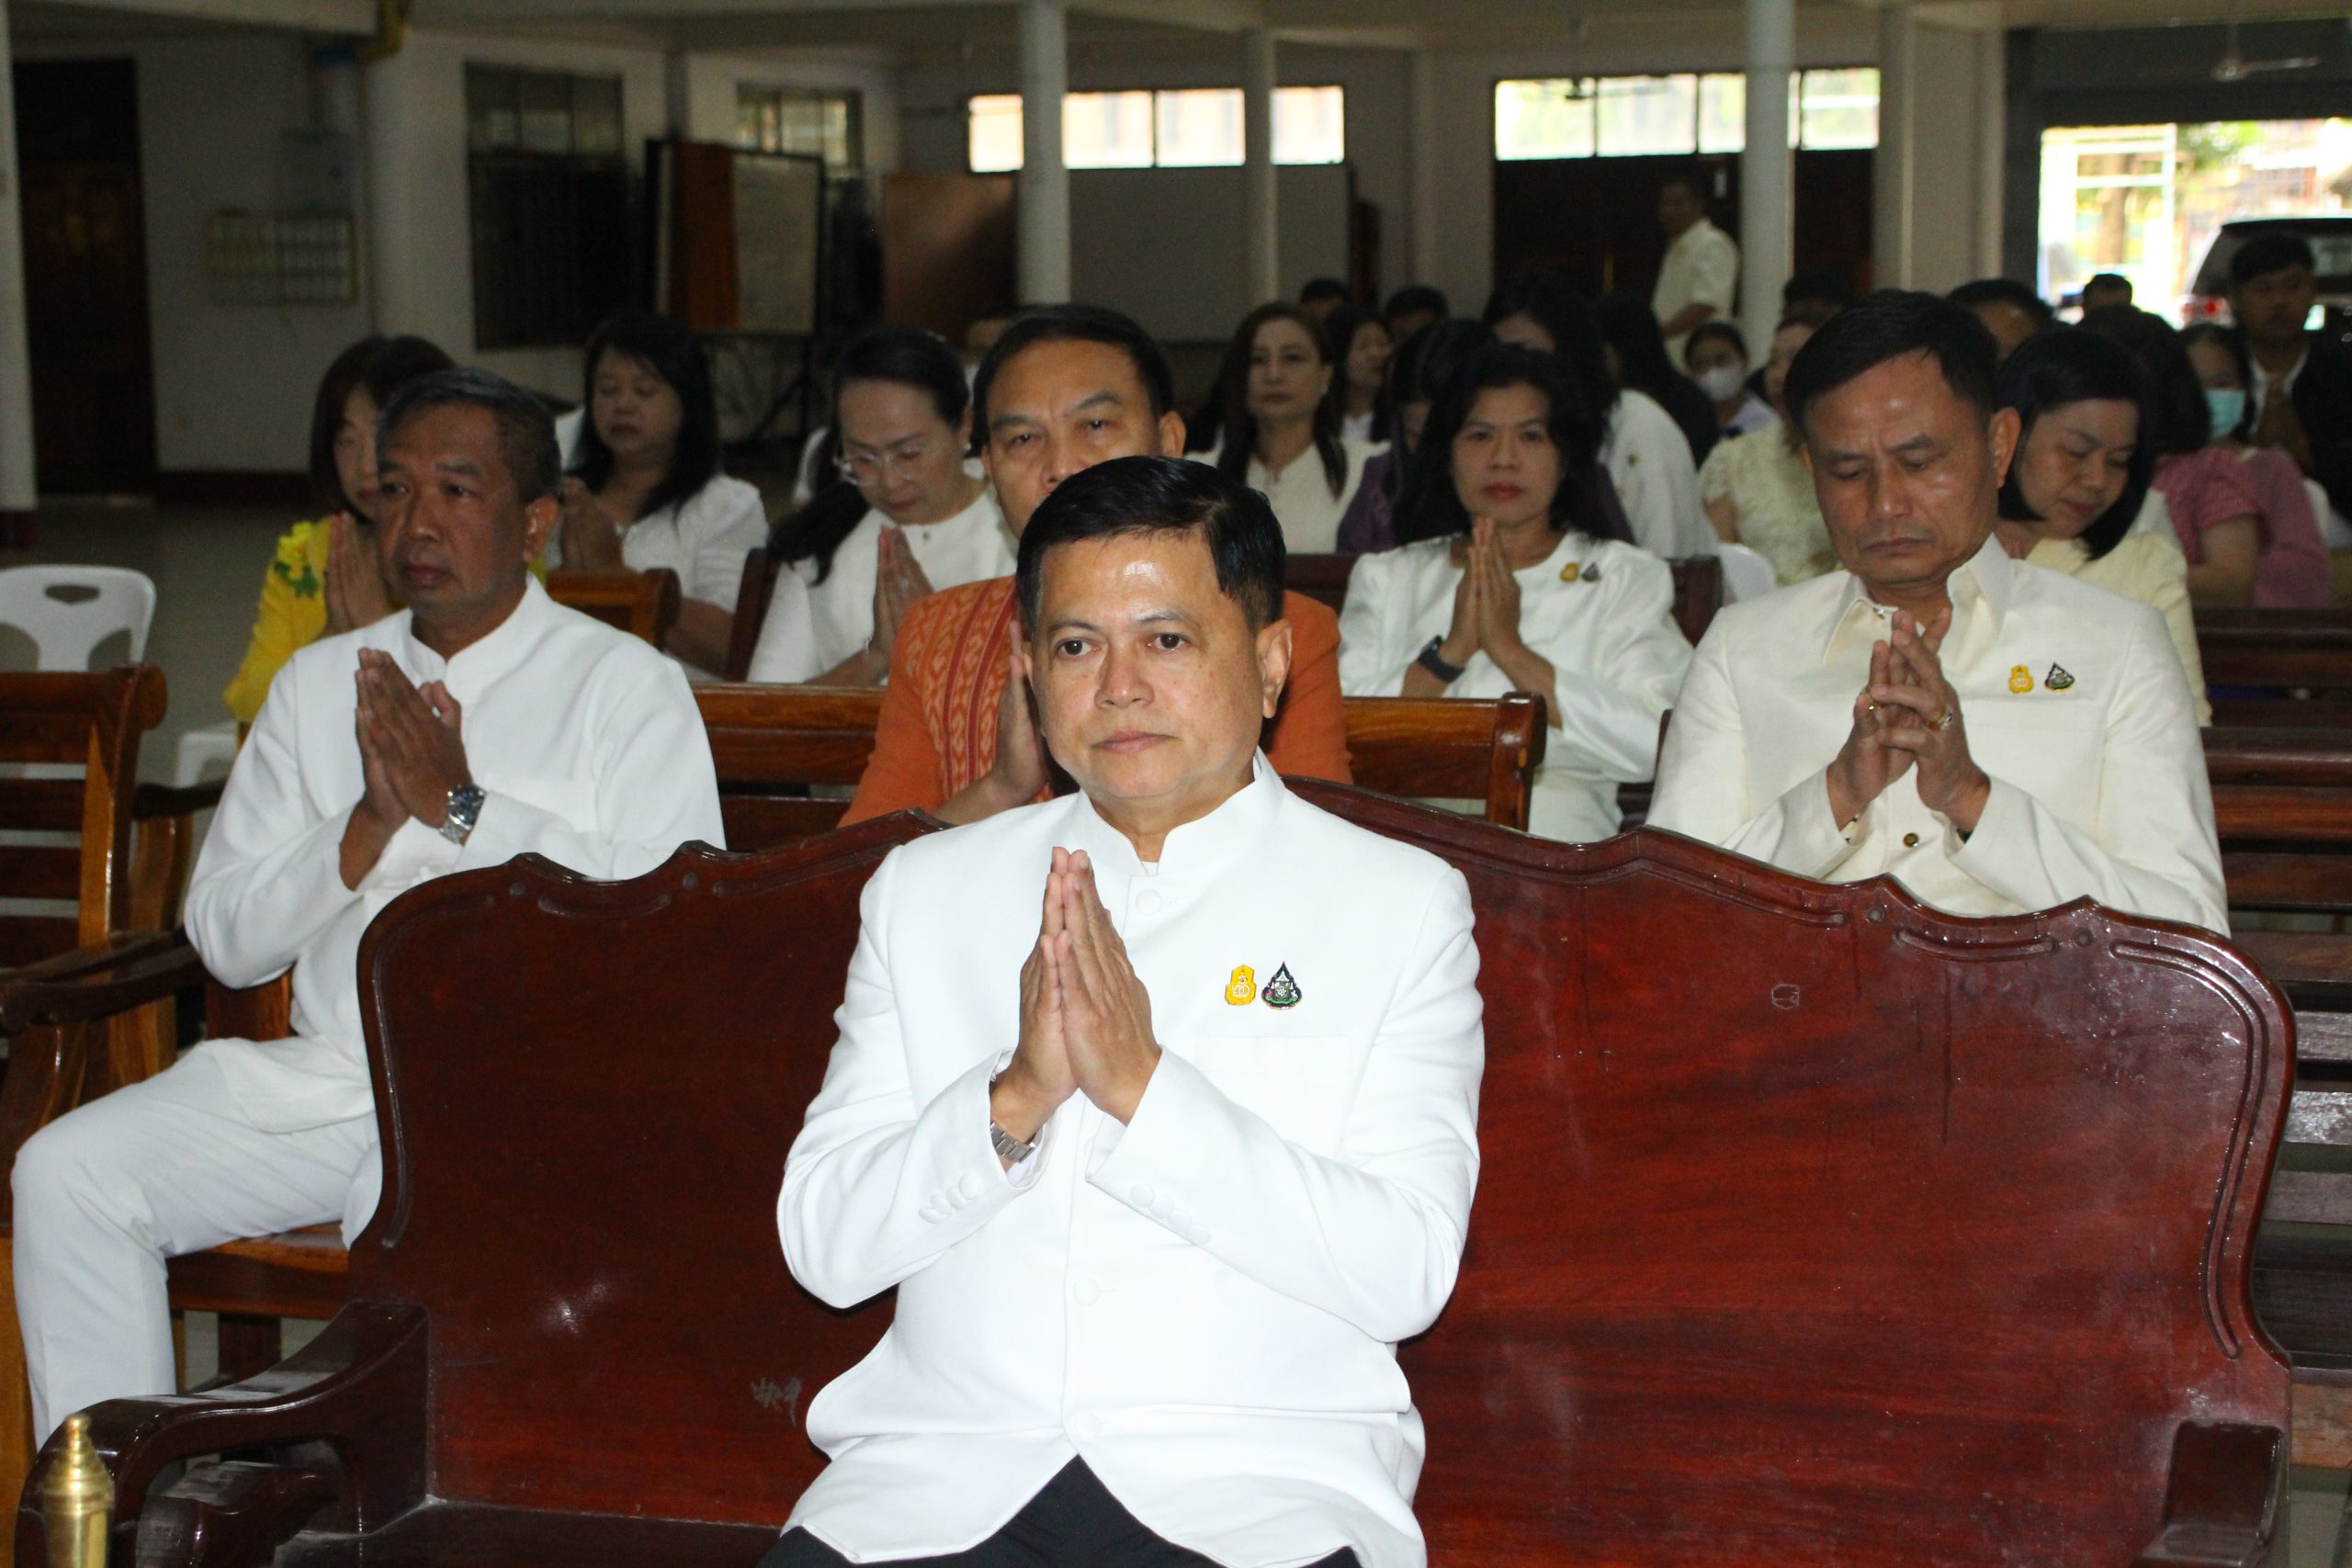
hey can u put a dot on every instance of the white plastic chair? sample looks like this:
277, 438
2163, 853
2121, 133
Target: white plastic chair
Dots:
1747, 574
69, 610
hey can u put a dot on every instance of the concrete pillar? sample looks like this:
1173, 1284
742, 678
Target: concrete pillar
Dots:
389, 218
1422, 106
15, 354
1045, 177
1992, 146
1260, 215
1893, 167
1767, 168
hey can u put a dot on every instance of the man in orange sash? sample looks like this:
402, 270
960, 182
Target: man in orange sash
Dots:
1063, 390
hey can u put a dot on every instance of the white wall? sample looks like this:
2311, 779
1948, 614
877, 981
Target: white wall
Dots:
233, 383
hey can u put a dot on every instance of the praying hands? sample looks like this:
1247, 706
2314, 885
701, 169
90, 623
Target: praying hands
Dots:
1085, 1016
411, 756
1909, 716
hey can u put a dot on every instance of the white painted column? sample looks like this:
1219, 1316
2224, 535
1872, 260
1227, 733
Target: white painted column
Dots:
1992, 146
389, 218
1260, 215
17, 477
1422, 174
1894, 165
1045, 177
1767, 169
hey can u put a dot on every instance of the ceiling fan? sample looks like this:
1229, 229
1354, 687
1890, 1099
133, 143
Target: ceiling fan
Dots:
2234, 67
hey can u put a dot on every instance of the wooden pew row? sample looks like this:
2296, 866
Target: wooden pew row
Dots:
1811, 1283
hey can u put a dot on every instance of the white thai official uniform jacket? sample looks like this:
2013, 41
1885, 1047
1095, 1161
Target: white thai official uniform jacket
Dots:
587, 746
2075, 706
1205, 1304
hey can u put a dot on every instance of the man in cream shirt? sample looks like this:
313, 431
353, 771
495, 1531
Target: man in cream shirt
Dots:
1157, 1102
1997, 737
482, 722
1702, 266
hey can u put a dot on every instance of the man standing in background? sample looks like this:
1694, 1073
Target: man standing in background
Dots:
1701, 265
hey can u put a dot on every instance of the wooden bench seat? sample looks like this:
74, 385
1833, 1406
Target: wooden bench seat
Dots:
1860, 1236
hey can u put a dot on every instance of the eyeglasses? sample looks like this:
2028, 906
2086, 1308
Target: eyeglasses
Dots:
863, 467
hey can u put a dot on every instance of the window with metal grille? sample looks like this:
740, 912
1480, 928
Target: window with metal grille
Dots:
818, 125
553, 244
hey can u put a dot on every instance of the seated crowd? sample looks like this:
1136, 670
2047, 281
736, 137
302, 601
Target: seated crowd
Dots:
1971, 668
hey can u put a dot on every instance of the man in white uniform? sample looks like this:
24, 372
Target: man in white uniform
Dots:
1695, 282
1997, 737
482, 722
1164, 1174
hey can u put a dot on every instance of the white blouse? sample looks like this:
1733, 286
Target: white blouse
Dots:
1302, 499
1607, 628
1648, 459
703, 538
970, 547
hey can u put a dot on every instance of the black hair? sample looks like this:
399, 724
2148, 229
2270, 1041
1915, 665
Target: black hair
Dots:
1553, 303
1629, 325
1320, 289
2232, 343
1888, 325
1816, 286
1073, 323
669, 351
2107, 280
380, 366
1339, 328
2004, 291
2181, 422
1239, 431
908, 355
1419, 372
1161, 495
1689, 178
2266, 253
1415, 297
1709, 331
2053, 370
526, 429
1433, 508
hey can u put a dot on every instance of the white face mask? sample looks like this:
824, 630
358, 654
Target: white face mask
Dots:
1722, 382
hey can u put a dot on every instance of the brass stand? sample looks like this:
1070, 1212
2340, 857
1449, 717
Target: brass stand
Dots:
77, 1501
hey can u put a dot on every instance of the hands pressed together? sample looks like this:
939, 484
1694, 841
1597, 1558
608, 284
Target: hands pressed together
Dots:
411, 757
355, 585
898, 585
1909, 716
1486, 602
1085, 1016
591, 538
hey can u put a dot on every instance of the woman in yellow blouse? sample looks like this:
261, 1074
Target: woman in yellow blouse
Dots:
322, 578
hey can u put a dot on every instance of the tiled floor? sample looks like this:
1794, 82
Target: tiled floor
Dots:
207, 564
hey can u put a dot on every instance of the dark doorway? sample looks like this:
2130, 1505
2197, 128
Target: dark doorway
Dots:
1595, 219
86, 275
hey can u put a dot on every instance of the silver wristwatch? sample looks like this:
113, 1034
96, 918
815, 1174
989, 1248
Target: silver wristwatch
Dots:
1010, 1150
464, 810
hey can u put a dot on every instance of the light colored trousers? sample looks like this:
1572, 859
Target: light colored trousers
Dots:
105, 1193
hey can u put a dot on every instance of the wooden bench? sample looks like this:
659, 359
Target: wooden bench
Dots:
2275, 669
642, 603
1856, 1234
770, 744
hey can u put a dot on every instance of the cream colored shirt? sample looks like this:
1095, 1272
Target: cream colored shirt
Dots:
1648, 459
2075, 707
1701, 267
2150, 569
1779, 512
1302, 499
1607, 631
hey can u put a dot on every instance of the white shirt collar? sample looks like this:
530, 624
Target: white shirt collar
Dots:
1989, 576
2263, 378
1239, 826
483, 661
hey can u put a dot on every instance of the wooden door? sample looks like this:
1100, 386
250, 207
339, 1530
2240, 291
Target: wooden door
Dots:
85, 274
947, 250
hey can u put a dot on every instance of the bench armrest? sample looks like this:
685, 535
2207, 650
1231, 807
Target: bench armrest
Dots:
128, 970
358, 1389
149, 801
2222, 1502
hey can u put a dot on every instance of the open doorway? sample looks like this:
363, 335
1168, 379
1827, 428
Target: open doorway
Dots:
86, 275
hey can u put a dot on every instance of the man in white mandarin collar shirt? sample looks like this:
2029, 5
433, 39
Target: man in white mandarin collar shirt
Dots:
1997, 737
482, 722
1156, 1103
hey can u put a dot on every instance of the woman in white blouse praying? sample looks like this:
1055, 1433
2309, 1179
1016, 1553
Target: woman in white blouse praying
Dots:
1645, 453
1510, 581
907, 516
643, 488
1281, 434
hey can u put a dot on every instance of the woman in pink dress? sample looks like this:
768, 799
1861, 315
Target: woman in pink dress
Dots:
2293, 572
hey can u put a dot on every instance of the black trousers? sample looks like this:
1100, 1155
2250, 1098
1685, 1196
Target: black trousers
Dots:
1073, 1523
